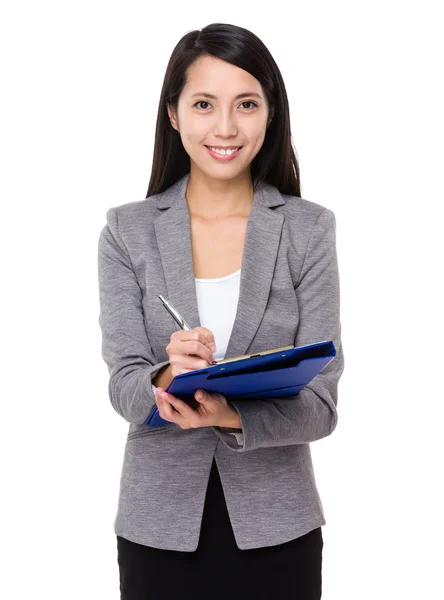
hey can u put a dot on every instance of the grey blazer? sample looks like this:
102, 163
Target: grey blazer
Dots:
289, 294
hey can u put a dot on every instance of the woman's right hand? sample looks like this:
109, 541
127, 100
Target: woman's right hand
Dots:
190, 350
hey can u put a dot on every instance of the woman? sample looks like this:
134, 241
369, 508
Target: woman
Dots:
223, 498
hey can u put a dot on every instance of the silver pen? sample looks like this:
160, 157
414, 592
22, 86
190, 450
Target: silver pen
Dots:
177, 317
175, 314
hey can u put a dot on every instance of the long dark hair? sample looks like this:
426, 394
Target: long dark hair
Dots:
276, 161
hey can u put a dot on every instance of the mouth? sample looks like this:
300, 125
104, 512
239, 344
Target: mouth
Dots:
224, 154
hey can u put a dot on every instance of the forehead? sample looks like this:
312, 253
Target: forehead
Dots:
218, 77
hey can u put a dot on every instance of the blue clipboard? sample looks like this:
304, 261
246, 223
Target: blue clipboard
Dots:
271, 374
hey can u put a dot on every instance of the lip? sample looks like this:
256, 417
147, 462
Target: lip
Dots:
223, 158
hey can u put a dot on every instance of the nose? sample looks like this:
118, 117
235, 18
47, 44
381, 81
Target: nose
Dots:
225, 125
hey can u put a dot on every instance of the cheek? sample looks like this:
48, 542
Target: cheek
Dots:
255, 140
255, 131
193, 137
192, 127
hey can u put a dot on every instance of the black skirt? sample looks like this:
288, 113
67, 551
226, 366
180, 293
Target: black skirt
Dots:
218, 568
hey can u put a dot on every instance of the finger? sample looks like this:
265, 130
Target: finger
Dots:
203, 334
200, 395
179, 405
173, 406
209, 337
194, 344
188, 362
165, 410
204, 396
200, 334
200, 346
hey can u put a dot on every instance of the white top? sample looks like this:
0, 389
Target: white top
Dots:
217, 301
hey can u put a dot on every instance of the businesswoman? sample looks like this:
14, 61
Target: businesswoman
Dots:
222, 498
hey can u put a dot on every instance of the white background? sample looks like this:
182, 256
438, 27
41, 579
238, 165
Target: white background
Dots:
81, 84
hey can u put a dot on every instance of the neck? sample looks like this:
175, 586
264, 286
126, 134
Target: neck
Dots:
215, 198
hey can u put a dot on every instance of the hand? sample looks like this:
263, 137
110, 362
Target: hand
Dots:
190, 350
213, 410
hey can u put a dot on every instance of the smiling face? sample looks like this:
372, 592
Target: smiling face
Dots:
220, 106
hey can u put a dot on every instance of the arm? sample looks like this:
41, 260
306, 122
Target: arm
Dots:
311, 414
125, 345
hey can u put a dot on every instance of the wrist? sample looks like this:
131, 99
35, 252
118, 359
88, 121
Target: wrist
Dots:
232, 420
164, 377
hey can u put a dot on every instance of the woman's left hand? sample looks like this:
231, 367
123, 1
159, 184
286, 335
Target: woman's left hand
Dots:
213, 410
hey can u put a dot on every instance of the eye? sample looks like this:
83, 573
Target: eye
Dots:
245, 102
200, 102
250, 102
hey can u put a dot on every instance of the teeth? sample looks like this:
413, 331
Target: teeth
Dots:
224, 152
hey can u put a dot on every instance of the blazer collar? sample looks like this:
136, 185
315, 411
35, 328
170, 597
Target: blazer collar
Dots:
258, 260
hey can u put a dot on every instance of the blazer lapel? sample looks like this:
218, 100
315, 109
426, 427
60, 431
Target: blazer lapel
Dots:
264, 227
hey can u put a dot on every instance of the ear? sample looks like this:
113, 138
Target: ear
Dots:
173, 117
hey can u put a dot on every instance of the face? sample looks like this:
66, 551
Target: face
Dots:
222, 120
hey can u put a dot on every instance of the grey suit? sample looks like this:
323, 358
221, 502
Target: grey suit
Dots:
289, 294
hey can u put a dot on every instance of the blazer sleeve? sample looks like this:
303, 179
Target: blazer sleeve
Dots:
311, 414
126, 349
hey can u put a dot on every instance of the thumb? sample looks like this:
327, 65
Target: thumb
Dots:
200, 395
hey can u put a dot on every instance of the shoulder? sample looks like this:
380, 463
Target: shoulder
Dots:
304, 214
133, 215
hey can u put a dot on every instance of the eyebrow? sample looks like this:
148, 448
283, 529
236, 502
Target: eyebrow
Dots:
207, 95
